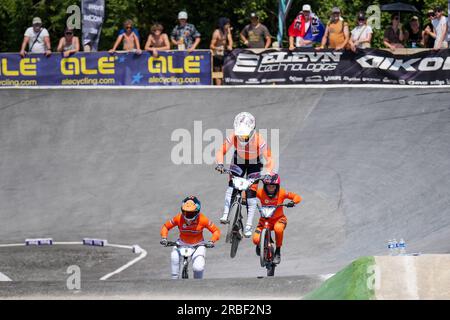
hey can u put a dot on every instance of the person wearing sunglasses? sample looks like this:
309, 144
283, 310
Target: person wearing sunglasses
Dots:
129, 39
393, 35
361, 35
428, 31
441, 29
69, 44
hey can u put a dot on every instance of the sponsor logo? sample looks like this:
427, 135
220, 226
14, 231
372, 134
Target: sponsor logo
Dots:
77, 66
27, 67
314, 79
387, 80
252, 81
352, 79
231, 80
273, 80
296, 79
162, 64
332, 78
287, 61
364, 79
409, 65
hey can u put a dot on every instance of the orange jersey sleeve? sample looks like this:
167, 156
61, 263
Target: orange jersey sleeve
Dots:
294, 197
169, 225
208, 224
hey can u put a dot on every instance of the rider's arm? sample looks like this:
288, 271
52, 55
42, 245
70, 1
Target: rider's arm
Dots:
267, 155
169, 225
224, 149
213, 229
294, 197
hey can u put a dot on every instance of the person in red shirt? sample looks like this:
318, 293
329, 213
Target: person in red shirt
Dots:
272, 195
250, 151
191, 223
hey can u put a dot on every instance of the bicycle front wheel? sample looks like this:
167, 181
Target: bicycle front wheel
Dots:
233, 217
264, 246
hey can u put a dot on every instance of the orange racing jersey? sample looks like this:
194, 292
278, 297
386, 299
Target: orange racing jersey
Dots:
254, 149
277, 200
191, 233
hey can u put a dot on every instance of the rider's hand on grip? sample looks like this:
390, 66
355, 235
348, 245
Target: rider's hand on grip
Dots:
209, 244
220, 168
164, 242
290, 204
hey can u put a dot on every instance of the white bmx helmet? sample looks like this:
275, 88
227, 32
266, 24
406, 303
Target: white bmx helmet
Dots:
244, 126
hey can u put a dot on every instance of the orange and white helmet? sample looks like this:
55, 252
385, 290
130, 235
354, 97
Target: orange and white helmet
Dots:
244, 126
190, 208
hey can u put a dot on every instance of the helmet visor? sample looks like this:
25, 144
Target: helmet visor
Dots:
190, 215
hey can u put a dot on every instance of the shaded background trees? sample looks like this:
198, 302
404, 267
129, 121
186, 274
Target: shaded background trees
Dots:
16, 16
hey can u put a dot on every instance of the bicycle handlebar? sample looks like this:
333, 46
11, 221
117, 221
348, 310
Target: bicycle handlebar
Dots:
175, 244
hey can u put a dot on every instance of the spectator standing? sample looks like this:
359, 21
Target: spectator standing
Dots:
69, 44
393, 35
361, 35
37, 38
440, 27
256, 35
428, 31
129, 39
157, 40
222, 42
305, 30
185, 36
337, 32
413, 34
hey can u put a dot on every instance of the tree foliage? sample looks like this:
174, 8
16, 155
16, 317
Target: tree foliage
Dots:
16, 16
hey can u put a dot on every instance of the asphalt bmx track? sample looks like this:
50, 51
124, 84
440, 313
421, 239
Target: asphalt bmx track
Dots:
370, 164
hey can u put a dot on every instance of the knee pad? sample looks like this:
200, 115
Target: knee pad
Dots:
198, 264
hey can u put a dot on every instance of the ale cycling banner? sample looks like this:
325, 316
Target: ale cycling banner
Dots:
310, 66
101, 68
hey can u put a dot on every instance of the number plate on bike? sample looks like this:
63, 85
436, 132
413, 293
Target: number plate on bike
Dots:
267, 212
186, 251
241, 183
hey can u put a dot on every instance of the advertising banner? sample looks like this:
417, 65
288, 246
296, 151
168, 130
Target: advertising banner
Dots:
93, 13
102, 68
309, 66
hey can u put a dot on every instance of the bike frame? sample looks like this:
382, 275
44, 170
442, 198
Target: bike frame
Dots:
183, 272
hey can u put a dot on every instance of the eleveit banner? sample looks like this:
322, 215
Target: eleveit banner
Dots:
100, 68
309, 66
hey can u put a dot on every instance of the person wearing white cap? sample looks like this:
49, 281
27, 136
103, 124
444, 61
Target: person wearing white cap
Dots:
185, 36
37, 38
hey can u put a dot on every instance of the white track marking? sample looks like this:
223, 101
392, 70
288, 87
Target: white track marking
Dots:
7, 245
105, 277
411, 277
3, 277
271, 87
126, 266
119, 246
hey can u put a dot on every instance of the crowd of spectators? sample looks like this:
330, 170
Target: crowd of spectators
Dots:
305, 31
